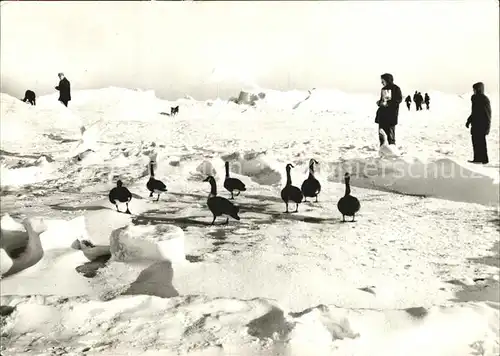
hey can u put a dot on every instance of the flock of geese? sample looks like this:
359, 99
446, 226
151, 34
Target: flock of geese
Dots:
348, 205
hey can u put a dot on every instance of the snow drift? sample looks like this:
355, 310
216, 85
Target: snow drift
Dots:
151, 325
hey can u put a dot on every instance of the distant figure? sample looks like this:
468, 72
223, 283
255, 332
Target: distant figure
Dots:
30, 97
64, 88
418, 99
415, 99
427, 101
388, 108
480, 120
408, 102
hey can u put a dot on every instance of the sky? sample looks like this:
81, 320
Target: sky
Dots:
205, 48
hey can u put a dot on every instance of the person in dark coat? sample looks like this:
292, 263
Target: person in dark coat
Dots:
388, 108
415, 99
420, 100
427, 101
64, 88
408, 102
480, 122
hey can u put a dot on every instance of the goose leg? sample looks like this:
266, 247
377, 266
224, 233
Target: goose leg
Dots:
353, 217
297, 208
151, 194
305, 199
286, 211
213, 221
227, 221
232, 195
117, 207
316, 198
238, 193
158, 197
128, 211
343, 218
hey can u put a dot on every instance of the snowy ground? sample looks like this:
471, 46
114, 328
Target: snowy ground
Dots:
416, 274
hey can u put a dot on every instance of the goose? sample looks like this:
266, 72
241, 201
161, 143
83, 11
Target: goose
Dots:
348, 205
120, 194
232, 184
291, 192
155, 185
33, 252
218, 205
311, 186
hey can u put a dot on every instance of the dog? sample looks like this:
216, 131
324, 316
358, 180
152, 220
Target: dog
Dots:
30, 97
173, 111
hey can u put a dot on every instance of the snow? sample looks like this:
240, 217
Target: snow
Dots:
419, 268
162, 242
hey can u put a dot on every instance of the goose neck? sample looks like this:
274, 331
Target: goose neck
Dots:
311, 169
288, 177
151, 169
347, 187
213, 189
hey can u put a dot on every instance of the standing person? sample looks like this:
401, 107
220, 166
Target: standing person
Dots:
64, 88
480, 120
415, 100
388, 108
427, 101
408, 102
420, 101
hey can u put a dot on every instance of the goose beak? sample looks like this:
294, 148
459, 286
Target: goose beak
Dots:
206, 179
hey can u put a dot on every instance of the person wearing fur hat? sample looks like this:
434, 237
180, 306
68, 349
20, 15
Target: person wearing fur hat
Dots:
479, 122
388, 108
64, 88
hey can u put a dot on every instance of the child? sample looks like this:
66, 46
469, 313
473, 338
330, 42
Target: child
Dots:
408, 102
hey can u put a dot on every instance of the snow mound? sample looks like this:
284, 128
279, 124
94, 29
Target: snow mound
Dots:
61, 234
256, 165
29, 242
313, 100
24, 123
386, 150
206, 168
248, 97
117, 103
158, 242
33, 251
443, 179
29, 173
196, 325
5, 262
7, 223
